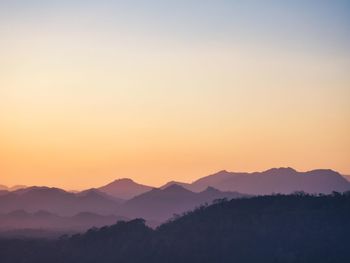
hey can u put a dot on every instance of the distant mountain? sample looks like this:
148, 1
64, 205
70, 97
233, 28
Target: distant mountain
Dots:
347, 177
17, 187
57, 201
94, 192
13, 188
161, 204
276, 180
277, 228
184, 185
42, 219
173, 197
124, 188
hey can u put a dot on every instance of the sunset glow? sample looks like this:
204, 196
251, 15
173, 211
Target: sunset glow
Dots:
101, 90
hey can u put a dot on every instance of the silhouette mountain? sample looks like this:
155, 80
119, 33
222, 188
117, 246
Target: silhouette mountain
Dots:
57, 201
20, 220
17, 187
95, 193
157, 205
347, 177
279, 228
12, 188
161, 204
211, 180
124, 188
276, 180
184, 185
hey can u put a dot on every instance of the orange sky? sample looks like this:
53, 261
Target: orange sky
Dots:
83, 102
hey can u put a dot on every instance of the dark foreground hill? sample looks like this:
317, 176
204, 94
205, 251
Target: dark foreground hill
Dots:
280, 228
161, 204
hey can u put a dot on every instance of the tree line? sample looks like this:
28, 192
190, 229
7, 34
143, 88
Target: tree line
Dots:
274, 228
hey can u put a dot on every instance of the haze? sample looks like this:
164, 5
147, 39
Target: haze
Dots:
171, 90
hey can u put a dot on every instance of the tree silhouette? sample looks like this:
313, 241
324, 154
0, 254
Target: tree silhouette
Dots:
275, 228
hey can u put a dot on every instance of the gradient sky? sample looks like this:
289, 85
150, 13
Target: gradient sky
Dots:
91, 91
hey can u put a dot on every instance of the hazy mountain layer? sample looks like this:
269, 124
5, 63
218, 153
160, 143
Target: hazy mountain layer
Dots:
276, 180
21, 219
295, 228
57, 201
124, 188
162, 204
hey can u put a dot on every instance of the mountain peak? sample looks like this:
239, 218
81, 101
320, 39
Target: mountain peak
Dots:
124, 188
175, 188
124, 180
223, 172
185, 185
324, 171
170, 183
41, 190
280, 171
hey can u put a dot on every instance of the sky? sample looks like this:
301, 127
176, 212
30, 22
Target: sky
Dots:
92, 91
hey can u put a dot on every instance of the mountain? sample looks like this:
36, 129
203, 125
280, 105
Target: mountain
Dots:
276, 180
347, 177
17, 187
172, 198
278, 228
57, 201
124, 188
184, 185
21, 220
211, 180
162, 204
13, 188
3, 192
95, 193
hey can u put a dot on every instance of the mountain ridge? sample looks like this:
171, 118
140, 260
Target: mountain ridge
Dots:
161, 204
274, 180
124, 188
275, 228
57, 201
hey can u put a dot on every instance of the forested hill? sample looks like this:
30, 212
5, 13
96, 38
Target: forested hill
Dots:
278, 228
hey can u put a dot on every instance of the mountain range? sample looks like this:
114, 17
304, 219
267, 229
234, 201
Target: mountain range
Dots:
162, 204
12, 188
275, 180
274, 228
124, 197
22, 220
155, 205
57, 201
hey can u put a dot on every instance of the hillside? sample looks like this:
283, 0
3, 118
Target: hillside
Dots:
294, 228
162, 204
20, 222
57, 201
275, 180
124, 188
